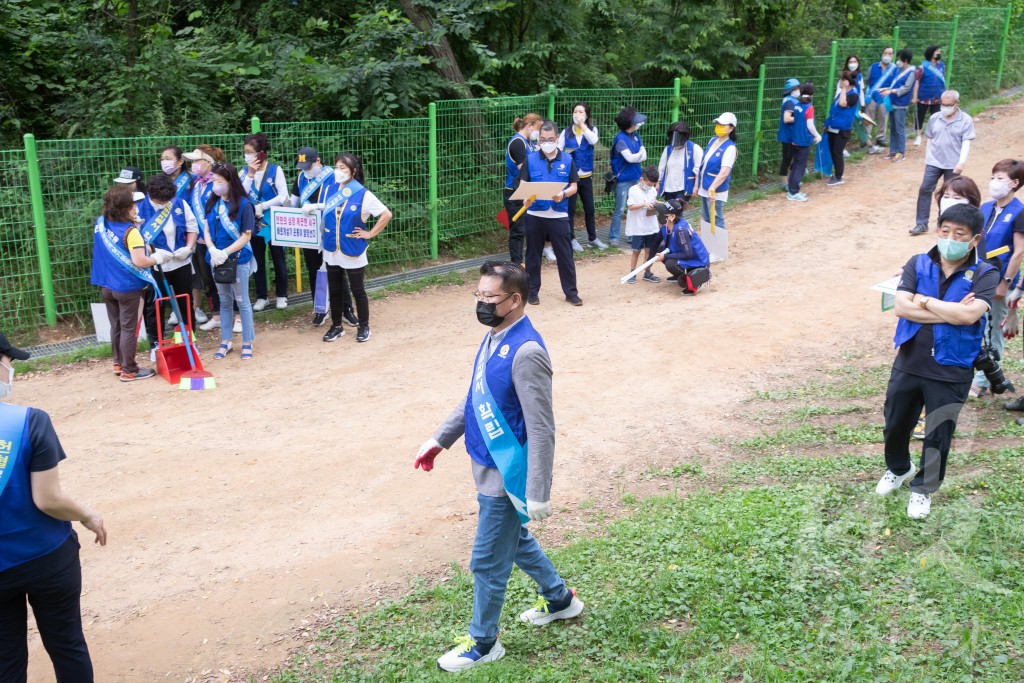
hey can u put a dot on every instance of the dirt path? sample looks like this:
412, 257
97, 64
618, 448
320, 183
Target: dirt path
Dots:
233, 514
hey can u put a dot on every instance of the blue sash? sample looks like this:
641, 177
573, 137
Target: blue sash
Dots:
197, 207
930, 68
123, 258
156, 223
875, 87
254, 197
181, 182
229, 226
314, 184
342, 195
12, 426
502, 444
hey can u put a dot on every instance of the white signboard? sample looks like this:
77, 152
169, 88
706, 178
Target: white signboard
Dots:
291, 228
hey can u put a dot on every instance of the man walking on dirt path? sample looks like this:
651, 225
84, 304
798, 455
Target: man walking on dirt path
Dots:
509, 425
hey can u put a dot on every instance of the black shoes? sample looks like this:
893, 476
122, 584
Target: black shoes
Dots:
318, 319
333, 333
363, 334
534, 299
575, 300
350, 319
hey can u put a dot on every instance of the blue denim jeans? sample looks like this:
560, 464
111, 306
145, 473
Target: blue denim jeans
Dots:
898, 130
501, 541
237, 292
705, 211
621, 190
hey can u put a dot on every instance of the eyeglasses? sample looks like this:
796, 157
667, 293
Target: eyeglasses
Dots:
489, 298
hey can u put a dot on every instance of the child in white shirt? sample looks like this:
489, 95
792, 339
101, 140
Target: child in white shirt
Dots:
642, 222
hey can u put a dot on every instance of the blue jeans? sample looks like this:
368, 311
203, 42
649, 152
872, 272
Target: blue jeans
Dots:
621, 190
501, 541
237, 292
926, 193
898, 130
705, 211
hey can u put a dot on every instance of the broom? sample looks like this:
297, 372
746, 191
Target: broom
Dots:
193, 380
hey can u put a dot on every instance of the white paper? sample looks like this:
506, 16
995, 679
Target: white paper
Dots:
542, 191
889, 286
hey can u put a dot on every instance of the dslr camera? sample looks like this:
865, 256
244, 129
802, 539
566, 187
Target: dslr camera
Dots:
988, 362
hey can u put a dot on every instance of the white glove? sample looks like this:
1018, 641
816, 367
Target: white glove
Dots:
183, 253
161, 256
310, 208
259, 210
538, 512
217, 256
1013, 297
1011, 324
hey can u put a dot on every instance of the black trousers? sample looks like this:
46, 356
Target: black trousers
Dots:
338, 280
836, 145
557, 231
206, 275
585, 191
798, 168
259, 250
923, 112
787, 159
52, 584
516, 229
942, 401
149, 314
180, 280
313, 259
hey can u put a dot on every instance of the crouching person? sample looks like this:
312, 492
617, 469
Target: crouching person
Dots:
685, 257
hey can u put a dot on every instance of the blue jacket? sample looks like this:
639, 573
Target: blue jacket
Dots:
582, 152
841, 118
786, 129
511, 168
898, 82
106, 270
802, 136
685, 246
712, 165
1001, 233
335, 231
159, 241
221, 237
561, 169
933, 81
625, 170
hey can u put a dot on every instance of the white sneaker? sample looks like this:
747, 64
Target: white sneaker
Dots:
549, 253
917, 143
173, 320
890, 482
846, 154
199, 315
152, 355
237, 327
541, 613
576, 246
919, 506
466, 656
282, 303
597, 244
211, 324
260, 305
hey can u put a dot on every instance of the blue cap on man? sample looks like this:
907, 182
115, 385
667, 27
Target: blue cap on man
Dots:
791, 84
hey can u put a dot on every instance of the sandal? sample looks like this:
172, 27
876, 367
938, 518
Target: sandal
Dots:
976, 391
225, 349
247, 351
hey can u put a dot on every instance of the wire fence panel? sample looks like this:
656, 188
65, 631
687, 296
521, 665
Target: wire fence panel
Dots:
777, 71
703, 101
918, 35
976, 58
471, 140
21, 306
1013, 63
75, 174
605, 104
395, 154
867, 50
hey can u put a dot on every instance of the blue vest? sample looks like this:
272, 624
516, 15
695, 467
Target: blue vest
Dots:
582, 152
27, 532
558, 173
318, 194
107, 272
511, 168
222, 239
499, 381
712, 165
897, 83
933, 81
801, 136
185, 188
955, 345
146, 211
842, 118
623, 169
335, 231
1001, 233
786, 129
875, 72
689, 173
674, 243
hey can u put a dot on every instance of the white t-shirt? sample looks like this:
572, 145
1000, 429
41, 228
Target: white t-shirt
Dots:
728, 159
637, 220
371, 207
673, 169
170, 233
280, 185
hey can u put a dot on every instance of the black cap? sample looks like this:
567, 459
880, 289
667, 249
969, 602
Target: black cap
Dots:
306, 158
13, 351
129, 174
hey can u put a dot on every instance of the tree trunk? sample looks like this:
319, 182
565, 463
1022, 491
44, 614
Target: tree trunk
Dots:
442, 51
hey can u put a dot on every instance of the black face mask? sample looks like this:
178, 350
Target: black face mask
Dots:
488, 313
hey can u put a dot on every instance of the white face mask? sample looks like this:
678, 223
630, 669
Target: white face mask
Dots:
795, 93
998, 189
946, 202
947, 111
853, 66
7, 387
886, 59
342, 176
168, 166
249, 159
579, 118
311, 173
548, 147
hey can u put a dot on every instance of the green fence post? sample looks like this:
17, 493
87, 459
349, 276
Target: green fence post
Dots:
1002, 46
757, 118
432, 170
952, 51
896, 40
832, 70
35, 190
677, 86
551, 101
254, 125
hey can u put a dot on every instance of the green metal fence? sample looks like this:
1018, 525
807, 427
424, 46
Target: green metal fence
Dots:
442, 175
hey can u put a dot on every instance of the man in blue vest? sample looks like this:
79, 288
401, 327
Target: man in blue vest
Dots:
548, 220
941, 301
785, 136
509, 425
38, 548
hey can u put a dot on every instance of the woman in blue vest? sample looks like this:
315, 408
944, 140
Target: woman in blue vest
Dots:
928, 89
853, 66
230, 222
172, 163
785, 135
804, 135
677, 168
627, 157
941, 299
579, 140
716, 169
686, 257
265, 186
879, 76
899, 91
526, 128
169, 225
120, 268
39, 549
203, 158
839, 124
347, 206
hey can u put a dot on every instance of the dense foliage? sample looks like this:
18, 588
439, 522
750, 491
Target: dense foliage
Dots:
131, 67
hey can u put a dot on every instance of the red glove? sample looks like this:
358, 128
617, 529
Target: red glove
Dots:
425, 457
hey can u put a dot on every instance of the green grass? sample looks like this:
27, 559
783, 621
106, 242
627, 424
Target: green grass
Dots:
844, 383
813, 435
684, 469
78, 356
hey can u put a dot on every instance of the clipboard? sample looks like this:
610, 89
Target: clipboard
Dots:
888, 290
542, 191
